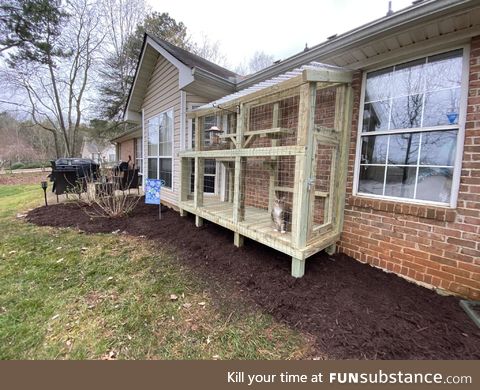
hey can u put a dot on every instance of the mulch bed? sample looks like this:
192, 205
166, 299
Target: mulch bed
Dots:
350, 310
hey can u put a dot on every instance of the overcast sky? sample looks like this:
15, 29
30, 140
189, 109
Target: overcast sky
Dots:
275, 27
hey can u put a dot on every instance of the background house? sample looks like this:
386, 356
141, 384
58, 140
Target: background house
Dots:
99, 151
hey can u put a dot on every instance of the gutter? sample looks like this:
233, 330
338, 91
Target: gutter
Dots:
424, 11
213, 79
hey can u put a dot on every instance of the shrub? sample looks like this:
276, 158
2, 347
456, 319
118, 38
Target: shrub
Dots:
18, 165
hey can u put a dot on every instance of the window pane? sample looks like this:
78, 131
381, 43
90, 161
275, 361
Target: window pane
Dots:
209, 184
165, 149
374, 149
166, 171
210, 166
442, 108
404, 149
434, 184
408, 78
153, 136
139, 148
371, 180
444, 70
438, 148
400, 181
406, 112
378, 85
375, 116
152, 168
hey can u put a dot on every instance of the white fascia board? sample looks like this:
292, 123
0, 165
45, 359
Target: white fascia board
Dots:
185, 75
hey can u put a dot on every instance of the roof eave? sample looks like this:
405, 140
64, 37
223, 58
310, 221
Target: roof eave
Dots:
379, 28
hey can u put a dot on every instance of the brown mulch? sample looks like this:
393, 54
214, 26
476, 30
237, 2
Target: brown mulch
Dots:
350, 310
23, 178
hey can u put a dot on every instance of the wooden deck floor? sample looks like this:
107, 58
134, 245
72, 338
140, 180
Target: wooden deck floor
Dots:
256, 220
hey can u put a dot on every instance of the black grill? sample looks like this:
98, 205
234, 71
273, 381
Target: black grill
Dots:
71, 174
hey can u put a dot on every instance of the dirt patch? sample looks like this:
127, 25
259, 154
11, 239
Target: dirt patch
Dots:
23, 178
350, 310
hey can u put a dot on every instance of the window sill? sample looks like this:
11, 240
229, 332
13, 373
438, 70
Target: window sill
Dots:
443, 214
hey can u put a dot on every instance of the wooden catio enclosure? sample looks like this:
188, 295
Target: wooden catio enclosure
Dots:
279, 145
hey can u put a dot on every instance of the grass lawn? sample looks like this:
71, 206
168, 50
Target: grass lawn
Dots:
69, 295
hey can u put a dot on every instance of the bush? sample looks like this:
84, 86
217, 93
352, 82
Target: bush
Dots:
29, 165
18, 165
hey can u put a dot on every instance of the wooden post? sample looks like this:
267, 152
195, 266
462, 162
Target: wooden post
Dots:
199, 170
239, 179
274, 169
304, 182
184, 183
343, 121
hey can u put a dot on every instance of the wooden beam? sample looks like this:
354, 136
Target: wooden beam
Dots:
198, 182
303, 186
344, 104
239, 179
329, 76
266, 95
298, 267
199, 133
251, 152
184, 178
273, 172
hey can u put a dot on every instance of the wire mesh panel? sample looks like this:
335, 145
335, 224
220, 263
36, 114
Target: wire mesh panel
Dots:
216, 130
272, 124
268, 192
325, 160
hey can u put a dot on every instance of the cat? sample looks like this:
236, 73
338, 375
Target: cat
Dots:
280, 215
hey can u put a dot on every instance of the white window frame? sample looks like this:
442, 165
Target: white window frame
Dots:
138, 160
158, 156
219, 169
460, 136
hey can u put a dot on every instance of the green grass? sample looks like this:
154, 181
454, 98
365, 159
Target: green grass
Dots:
69, 295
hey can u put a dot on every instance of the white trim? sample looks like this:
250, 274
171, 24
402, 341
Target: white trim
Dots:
144, 140
185, 75
462, 118
460, 136
183, 116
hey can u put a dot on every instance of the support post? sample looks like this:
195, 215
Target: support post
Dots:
303, 187
184, 179
239, 178
298, 267
198, 183
199, 164
331, 249
273, 171
237, 240
198, 221
343, 121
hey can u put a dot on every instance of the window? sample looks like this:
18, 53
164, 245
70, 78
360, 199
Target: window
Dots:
210, 171
159, 147
139, 154
408, 135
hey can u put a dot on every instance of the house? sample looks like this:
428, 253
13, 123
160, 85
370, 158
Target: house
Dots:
371, 140
99, 151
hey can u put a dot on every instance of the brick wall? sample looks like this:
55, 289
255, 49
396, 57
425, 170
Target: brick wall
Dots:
127, 149
434, 246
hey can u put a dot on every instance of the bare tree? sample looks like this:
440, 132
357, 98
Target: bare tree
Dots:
210, 50
56, 82
259, 60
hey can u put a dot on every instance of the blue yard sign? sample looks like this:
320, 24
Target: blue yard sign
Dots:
152, 193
